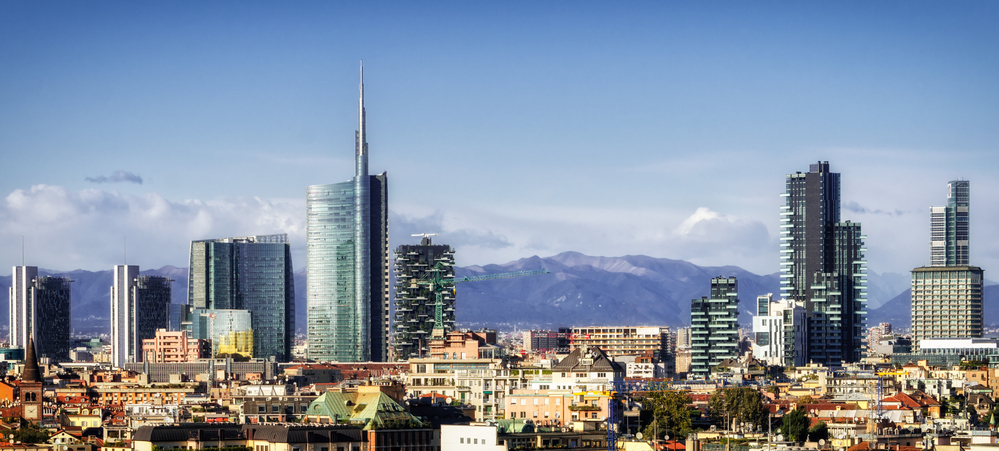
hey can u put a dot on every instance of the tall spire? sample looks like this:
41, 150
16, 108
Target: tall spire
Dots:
360, 137
30, 372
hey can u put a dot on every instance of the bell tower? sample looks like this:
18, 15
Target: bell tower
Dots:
31, 387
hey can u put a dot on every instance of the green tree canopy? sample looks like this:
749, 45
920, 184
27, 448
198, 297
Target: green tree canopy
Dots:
669, 414
795, 425
30, 433
743, 405
818, 432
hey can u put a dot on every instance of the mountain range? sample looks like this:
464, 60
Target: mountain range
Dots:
581, 290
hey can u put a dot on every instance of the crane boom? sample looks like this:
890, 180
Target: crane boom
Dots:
504, 275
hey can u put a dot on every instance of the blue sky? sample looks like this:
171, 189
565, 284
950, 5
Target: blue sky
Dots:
513, 128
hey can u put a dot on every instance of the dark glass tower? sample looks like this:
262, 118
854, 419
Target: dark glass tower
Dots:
714, 326
415, 304
822, 265
347, 262
39, 312
251, 273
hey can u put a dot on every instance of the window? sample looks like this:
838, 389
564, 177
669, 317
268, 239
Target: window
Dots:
523, 414
546, 401
475, 441
261, 408
535, 401
461, 440
513, 401
523, 401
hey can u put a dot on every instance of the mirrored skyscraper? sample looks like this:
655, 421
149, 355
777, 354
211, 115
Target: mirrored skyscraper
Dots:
348, 262
252, 274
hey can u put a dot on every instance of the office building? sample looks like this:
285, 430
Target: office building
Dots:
415, 303
254, 274
139, 306
40, 310
714, 326
822, 266
229, 331
946, 302
947, 297
347, 262
547, 341
779, 329
949, 233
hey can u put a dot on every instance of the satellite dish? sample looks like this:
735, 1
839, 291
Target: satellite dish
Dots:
666, 437
780, 437
822, 442
638, 435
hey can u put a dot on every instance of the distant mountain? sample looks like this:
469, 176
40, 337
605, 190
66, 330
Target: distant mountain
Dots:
582, 290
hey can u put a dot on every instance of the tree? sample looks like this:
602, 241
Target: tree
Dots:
795, 425
669, 413
804, 400
30, 433
818, 432
743, 405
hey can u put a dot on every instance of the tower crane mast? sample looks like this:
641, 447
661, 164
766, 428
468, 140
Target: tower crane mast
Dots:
437, 279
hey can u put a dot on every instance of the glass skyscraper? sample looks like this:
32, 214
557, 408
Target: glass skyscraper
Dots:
822, 266
40, 310
348, 262
949, 232
251, 273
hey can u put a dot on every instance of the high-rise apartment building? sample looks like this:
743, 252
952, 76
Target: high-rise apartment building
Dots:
619, 341
714, 326
139, 306
947, 302
779, 328
40, 310
947, 295
348, 262
253, 274
949, 232
415, 303
822, 266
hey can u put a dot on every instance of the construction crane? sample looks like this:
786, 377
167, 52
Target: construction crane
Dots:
881, 389
437, 279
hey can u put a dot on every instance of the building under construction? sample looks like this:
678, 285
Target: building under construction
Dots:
415, 302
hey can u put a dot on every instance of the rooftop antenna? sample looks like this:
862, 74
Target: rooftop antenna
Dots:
22, 250
124, 240
426, 237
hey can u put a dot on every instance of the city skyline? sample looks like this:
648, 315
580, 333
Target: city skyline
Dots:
588, 129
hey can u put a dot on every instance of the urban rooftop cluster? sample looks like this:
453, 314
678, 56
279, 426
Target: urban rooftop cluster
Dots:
224, 371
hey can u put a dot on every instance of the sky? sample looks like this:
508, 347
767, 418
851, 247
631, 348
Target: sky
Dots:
511, 128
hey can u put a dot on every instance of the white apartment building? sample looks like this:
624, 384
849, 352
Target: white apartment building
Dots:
779, 329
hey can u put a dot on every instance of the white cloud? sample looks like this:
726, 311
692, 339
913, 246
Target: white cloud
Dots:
67, 230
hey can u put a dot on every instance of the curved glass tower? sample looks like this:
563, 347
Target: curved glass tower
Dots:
347, 262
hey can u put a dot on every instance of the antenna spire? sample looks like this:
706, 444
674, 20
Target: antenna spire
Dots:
124, 239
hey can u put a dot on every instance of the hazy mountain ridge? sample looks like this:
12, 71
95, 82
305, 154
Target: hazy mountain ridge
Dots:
582, 290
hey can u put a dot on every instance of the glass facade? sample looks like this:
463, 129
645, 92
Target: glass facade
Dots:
347, 262
150, 311
231, 331
51, 298
254, 274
